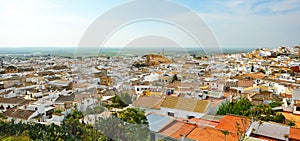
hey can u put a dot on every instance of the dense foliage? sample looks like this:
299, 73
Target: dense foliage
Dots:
275, 104
260, 112
133, 115
121, 101
127, 125
241, 107
71, 129
95, 110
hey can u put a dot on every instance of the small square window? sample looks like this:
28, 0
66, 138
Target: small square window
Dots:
171, 114
190, 117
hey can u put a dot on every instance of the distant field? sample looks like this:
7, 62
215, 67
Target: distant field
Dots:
70, 52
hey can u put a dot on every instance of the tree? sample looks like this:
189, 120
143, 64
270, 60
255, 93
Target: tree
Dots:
244, 107
121, 100
174, 78
71, 129
95, 110
133, 115
241, 128
259, 124
240, 107
286, 136
291, 122
117, 129
275, 104
279, 118
129, 124
225, 133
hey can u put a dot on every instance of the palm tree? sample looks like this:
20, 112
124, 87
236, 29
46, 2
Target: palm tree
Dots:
286, 136
225, 133
259, 124
175, 78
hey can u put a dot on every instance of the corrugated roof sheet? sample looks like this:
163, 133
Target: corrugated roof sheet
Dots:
272, 130
157, 122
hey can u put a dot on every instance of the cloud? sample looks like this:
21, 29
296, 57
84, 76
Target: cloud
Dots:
234, 22
263, 7
255, 30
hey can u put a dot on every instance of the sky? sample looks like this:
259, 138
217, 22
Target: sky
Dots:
235, 23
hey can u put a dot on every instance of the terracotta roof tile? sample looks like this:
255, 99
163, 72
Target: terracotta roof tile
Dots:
295, 133
203, 122
245, 83
255, 75
177, 128
229, 123
211, 134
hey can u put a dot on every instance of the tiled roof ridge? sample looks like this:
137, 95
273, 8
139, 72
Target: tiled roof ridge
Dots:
295, 127
220, 129
237, 115
276, 123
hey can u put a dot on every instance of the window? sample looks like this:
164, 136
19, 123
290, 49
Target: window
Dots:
171, 114
190, 117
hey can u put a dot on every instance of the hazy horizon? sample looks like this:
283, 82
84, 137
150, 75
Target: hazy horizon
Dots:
234, 23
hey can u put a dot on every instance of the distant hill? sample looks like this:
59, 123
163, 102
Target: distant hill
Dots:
110, 51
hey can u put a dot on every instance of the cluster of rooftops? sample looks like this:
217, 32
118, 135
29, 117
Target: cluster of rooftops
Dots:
177, 92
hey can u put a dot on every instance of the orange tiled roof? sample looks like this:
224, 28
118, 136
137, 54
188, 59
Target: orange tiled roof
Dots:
245, 83
255, 75
229, 123
211, 134
291, 116
177, 128
294, 133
